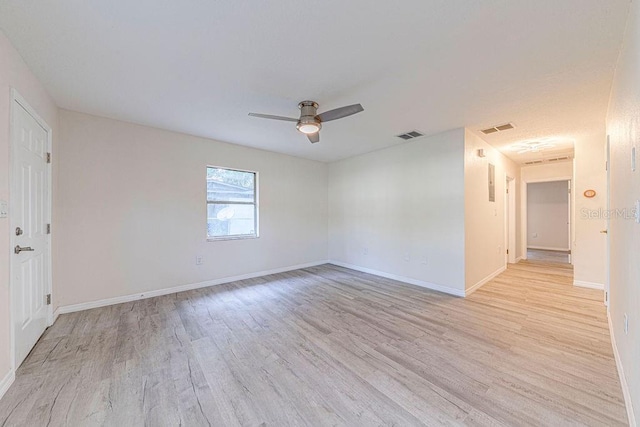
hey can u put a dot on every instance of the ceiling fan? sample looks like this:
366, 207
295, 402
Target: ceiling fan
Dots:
310, 122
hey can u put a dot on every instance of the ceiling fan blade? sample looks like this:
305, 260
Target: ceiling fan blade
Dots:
314, 137
339, 113
269, 116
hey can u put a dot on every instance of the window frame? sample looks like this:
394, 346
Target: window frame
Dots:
256, 220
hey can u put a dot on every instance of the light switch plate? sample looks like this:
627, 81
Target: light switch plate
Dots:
4, 209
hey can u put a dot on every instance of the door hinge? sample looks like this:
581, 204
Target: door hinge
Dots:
48, 299
48, 228
507, 191
48, 157
507, 251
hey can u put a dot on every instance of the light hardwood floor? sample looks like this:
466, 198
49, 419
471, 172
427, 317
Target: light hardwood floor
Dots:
548, 256
330, 346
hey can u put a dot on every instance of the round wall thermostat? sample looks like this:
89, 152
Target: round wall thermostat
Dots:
590, 193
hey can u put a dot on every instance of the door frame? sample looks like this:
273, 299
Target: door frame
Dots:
510, 220
17, 98
607, 277
524, 204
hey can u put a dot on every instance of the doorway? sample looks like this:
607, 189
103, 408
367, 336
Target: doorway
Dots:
30, 207
549, 221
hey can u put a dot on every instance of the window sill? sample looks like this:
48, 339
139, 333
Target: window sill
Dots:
223, 238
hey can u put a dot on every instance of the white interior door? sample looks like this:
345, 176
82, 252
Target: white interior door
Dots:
30, 214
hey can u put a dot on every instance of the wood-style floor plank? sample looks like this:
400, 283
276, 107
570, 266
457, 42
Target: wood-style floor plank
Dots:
330, 346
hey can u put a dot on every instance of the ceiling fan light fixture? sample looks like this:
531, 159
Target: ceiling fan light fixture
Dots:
308, 127
310, 122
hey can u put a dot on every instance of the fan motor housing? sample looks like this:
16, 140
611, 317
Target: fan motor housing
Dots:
308, 116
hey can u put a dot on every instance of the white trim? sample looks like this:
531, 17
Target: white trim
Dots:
520, 258
548, 248
166, 291
590, 285
623, 380
6, 382
487, 279
409, 280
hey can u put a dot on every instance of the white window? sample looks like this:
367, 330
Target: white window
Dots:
232, 204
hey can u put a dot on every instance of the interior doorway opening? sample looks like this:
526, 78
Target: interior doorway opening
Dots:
548, 236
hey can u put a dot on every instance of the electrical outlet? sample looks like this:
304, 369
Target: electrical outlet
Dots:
365, 251
626, 324
500, 249
198, 260
4, 209
406, 257
425, 260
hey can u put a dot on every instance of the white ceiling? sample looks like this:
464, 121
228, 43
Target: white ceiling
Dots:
200, 66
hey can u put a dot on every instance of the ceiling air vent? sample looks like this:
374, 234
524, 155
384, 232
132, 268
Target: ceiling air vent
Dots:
557, 159
499, 128
535, 162
410, 135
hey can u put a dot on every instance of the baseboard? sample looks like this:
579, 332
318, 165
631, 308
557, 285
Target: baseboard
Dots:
589, 285
6, 382
409, 280
626, 393
520, 258
547, 248
478, 285
166, 291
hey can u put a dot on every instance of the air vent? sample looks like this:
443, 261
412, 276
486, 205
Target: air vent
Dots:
555, 159
504, 127
410, 135
499, 128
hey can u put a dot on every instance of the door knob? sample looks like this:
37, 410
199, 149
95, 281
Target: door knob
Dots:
18, 249
19, 231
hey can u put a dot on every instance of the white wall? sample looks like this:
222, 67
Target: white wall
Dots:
394, 209
589, 245
623, 125
14, 73
131, 216
548, 215
547, 172
485, 220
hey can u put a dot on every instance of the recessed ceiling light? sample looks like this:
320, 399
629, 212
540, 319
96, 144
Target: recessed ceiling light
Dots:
531, 146
541, 144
